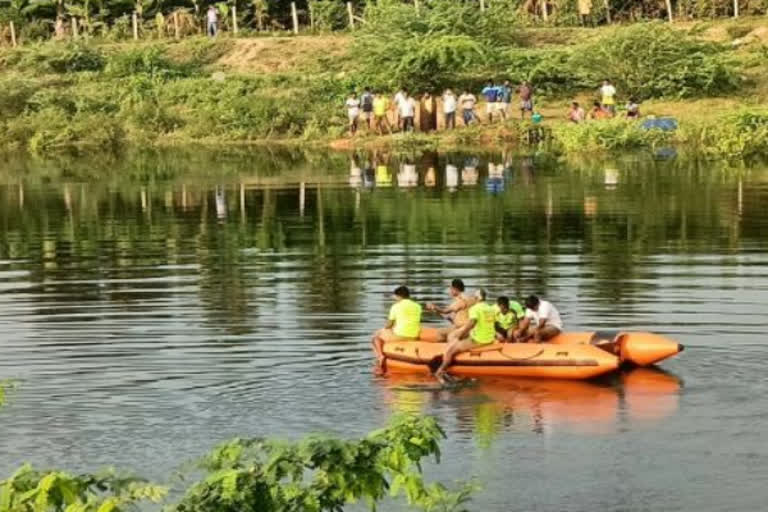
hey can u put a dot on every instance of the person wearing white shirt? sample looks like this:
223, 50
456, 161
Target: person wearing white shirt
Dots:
449, 109
407, 110
400, 97
541, 322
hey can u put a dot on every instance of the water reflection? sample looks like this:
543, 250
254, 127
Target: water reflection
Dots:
487, 407
168, 301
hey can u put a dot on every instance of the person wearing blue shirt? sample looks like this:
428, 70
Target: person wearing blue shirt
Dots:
504, 99
491, 94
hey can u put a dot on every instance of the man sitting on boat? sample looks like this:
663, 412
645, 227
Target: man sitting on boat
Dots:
479, 330
403, 323
457, 311
509, 313
541, 323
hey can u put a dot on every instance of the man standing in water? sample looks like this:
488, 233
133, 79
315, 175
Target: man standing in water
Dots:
541, 323
479, 330
403, 324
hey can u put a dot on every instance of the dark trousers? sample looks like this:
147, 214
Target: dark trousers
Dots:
450, 120
408, 124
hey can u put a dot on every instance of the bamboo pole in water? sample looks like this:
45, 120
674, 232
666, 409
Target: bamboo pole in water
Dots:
607, 11
74, 28
482, 5
13, 35
416, 5
135, 21
735, 8
351, 15
295, 17
544, 12
234, 19
669, 11
176, 24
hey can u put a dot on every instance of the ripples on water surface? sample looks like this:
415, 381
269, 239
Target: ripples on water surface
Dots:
148, 318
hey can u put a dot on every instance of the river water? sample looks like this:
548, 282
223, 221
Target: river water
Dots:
153, 305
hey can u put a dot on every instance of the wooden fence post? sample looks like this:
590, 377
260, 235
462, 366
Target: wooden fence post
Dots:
234, 19
351, 15
607, 11
735, 8
135, 21
311, 17
74, 28
295, 17
13, 35
669, 11
176, 24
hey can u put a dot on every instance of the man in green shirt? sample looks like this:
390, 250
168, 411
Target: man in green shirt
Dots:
403, 323
480, 330
508, 315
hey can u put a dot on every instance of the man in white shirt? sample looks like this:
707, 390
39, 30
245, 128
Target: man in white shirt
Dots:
541, 323
449, 109
400, 97
407, 110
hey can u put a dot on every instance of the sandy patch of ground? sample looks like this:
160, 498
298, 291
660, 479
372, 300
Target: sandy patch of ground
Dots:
281, 54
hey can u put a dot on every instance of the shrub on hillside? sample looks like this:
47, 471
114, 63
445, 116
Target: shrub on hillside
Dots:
151, 61
57, 58
654, 60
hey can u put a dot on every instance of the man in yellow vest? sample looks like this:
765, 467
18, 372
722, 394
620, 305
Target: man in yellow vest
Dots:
479, 330
403, 323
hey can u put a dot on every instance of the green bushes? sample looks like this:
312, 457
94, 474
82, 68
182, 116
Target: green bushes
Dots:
151, 61
653, 60
318, 474
740, 135
56, 58
328, 15
607, 135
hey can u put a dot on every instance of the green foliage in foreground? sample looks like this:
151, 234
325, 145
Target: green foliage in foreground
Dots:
29, 490
257, 475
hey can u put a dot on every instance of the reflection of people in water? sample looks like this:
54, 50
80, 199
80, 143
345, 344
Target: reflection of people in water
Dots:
429, 177
495, 182
221, 203
355, 173
407, 177
611, 178
451, 176
369, 175
469, 174
383, 176
527, 169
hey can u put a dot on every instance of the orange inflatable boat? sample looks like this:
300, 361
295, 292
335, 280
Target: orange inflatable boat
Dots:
638, 348
577, 361
573, 355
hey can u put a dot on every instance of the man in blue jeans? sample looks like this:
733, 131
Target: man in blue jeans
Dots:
213, 21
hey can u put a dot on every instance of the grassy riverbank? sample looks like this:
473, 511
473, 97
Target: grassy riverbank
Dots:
290, 90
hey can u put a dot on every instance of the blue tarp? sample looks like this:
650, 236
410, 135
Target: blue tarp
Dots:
667, 124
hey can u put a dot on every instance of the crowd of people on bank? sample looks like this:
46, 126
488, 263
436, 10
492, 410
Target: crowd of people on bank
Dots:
374, 110
380, 114
474, 322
